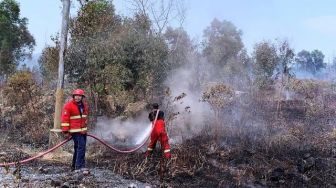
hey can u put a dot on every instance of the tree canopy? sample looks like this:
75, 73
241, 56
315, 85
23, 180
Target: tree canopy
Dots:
310, 61
16, 42
222, 41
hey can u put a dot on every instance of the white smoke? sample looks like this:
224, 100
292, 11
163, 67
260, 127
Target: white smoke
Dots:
125, 133
190, 112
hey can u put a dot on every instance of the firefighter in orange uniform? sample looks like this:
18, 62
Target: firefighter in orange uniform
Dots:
159, 132
74, 124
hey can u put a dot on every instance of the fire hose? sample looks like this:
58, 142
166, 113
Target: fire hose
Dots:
90, 135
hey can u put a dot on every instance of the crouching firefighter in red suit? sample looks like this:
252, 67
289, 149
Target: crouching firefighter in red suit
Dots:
159, 132
74, 123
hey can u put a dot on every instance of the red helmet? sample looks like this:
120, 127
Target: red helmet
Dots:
78, 92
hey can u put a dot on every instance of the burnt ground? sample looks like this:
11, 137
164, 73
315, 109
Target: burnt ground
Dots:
198, 162
53, 173
203, 161
58, 175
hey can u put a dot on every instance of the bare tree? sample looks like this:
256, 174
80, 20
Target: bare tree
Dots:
161, 13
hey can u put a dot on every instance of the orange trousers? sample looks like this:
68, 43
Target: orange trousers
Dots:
159, 134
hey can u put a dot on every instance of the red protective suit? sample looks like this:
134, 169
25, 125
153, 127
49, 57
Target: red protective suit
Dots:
159, 134
72, 120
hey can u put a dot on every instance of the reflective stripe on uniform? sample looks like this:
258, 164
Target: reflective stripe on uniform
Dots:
78, 117
166, 151
150, 149
65, 124
78, 130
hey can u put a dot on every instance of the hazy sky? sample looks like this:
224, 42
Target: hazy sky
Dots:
306, 24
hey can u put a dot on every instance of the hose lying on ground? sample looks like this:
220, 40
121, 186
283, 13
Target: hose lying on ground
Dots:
115, 149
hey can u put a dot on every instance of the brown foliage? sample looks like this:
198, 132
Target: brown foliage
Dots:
27, 112
219, 96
